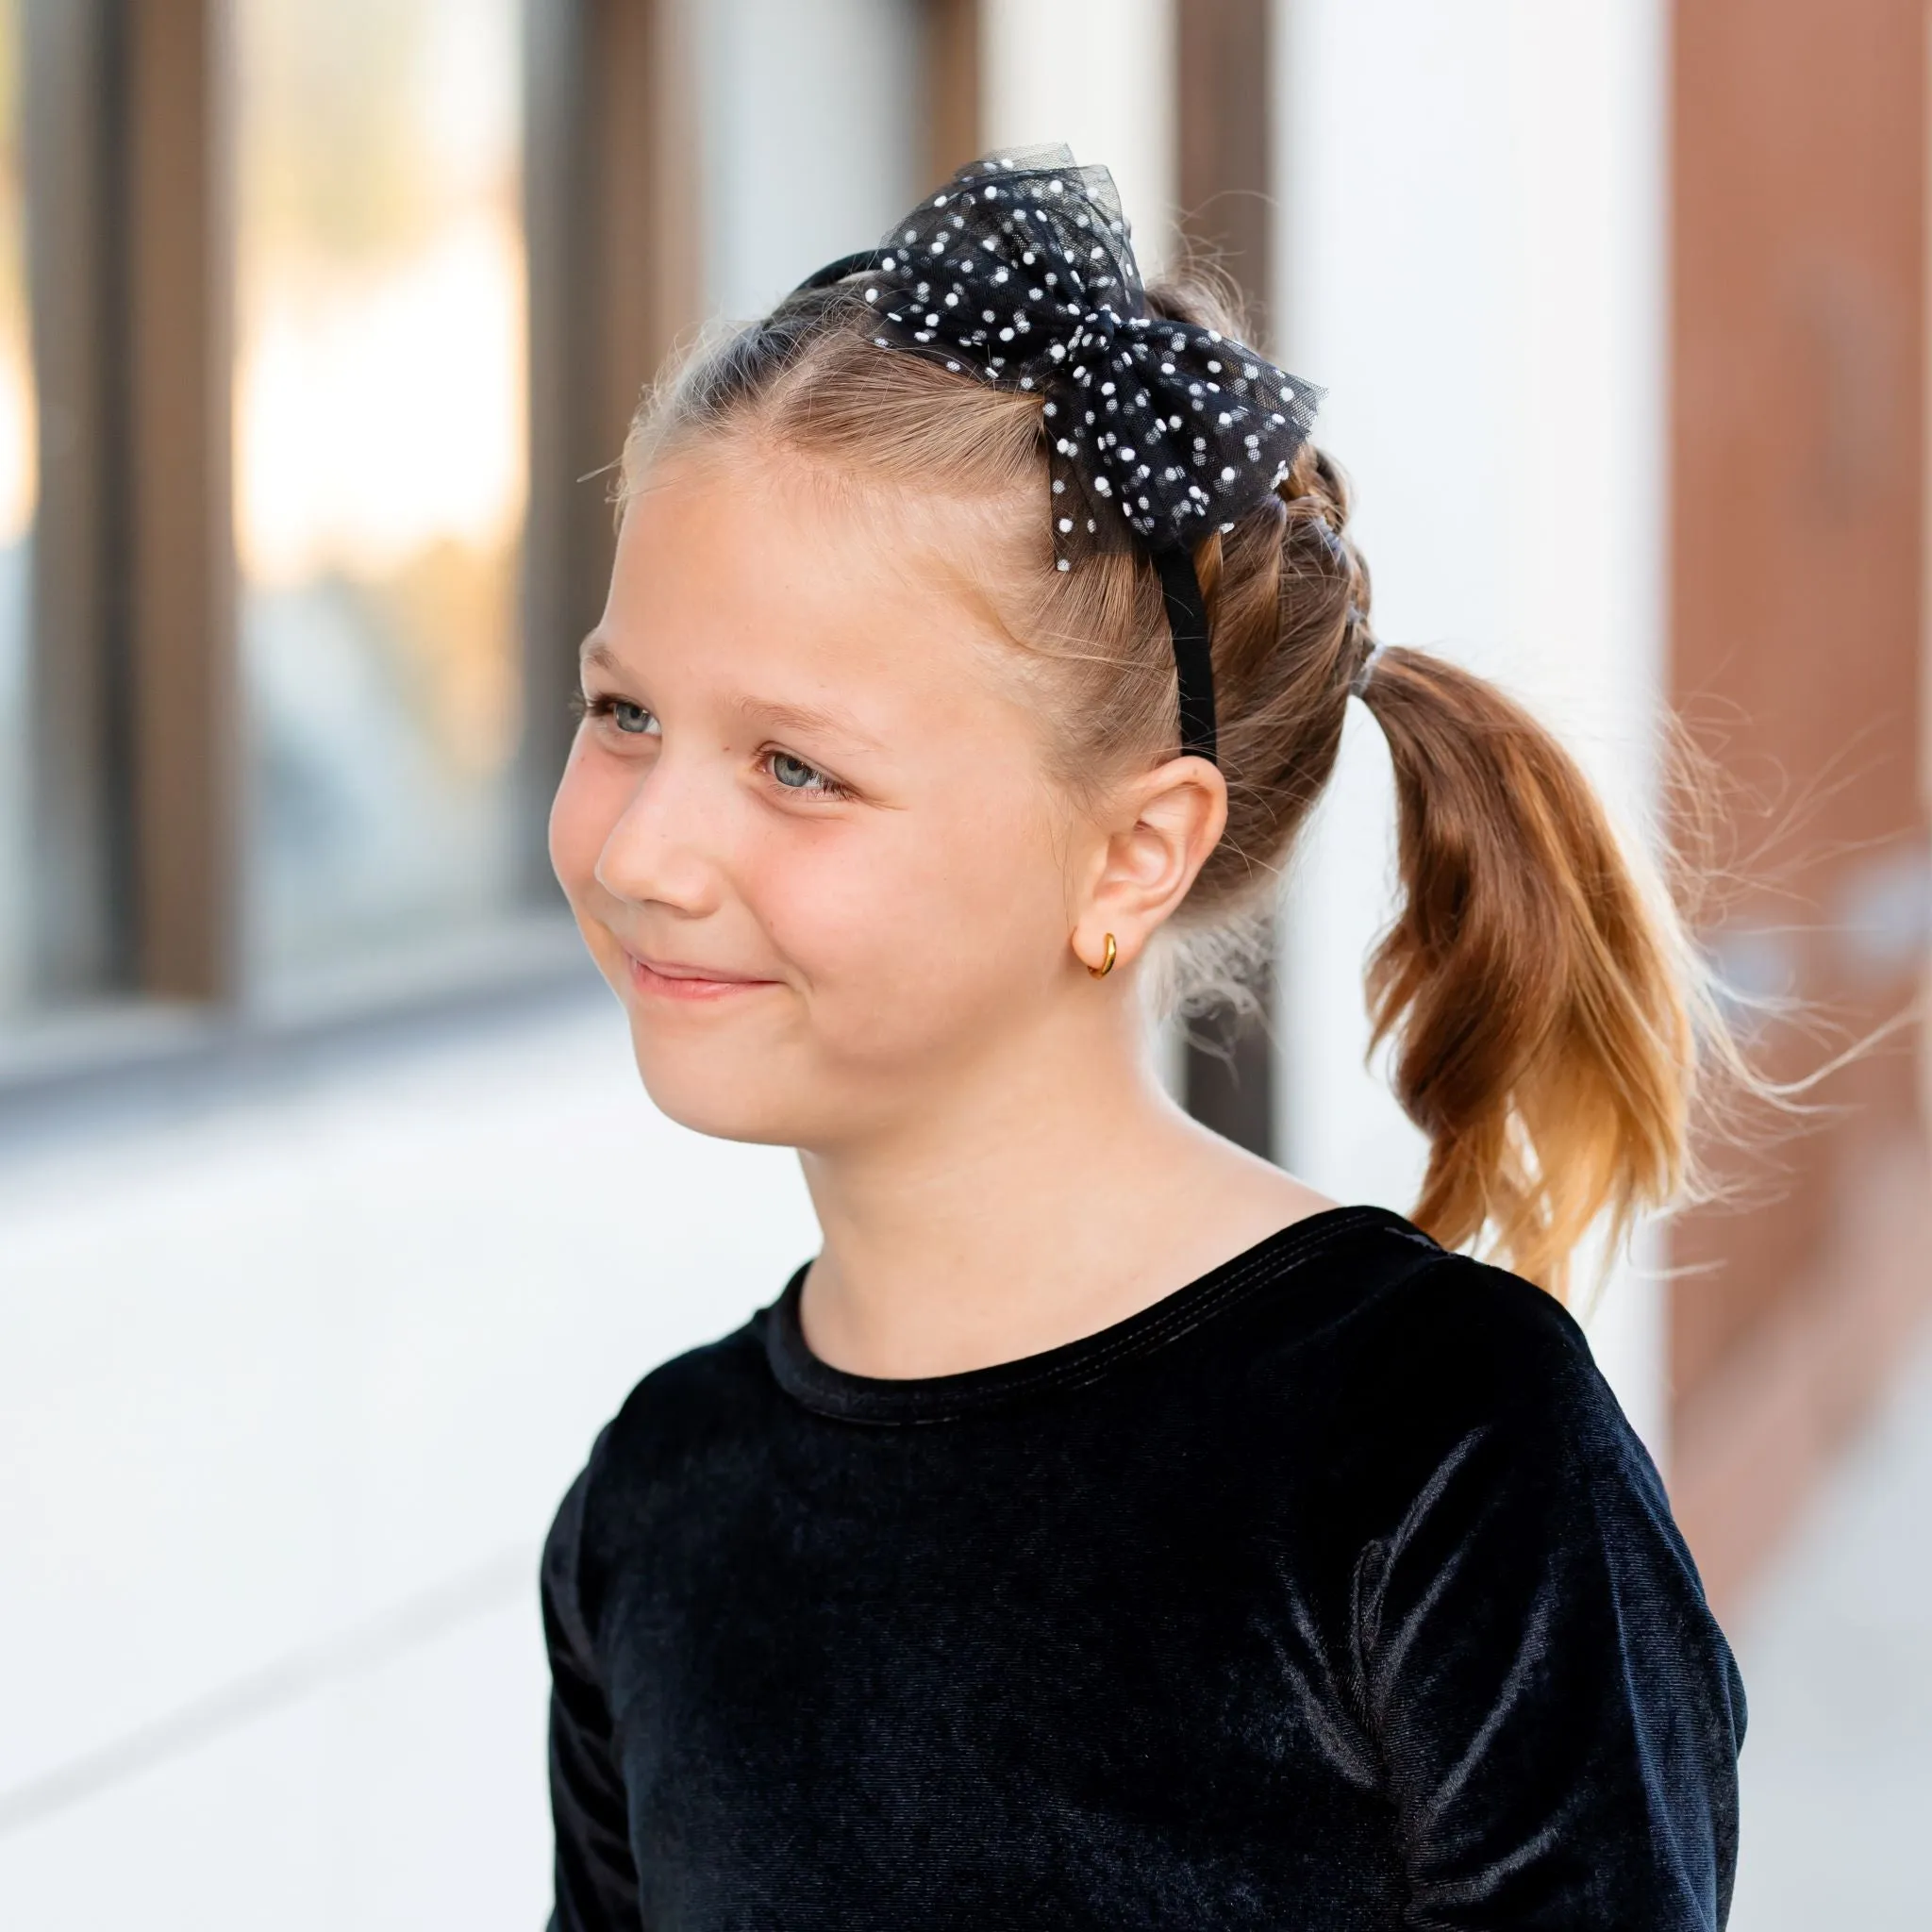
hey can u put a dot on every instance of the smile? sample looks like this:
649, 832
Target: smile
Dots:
668, 979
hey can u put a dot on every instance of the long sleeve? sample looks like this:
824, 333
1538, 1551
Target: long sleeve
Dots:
596, 1877
1558, 1713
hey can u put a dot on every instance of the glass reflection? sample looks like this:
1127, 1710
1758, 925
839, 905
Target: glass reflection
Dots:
379, 411
19, 479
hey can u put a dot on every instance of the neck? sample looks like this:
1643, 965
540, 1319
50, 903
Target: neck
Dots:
1053, 1189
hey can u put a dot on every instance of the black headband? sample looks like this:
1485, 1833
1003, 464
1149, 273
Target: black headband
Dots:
1020, 270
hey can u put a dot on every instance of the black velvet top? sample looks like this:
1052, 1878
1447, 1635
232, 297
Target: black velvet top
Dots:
1330, 1594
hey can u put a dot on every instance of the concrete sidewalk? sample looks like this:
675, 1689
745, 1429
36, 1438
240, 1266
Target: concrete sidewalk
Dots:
290, 1381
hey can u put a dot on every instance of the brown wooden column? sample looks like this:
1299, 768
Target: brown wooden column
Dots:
1225, 130
1225, 126
133, 675
182, 734
78, 804
1797, 614
613, 217
952, 118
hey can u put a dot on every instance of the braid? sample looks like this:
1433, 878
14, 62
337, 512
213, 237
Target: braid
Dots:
1318, 492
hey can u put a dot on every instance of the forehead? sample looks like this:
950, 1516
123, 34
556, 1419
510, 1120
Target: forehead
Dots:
759, 564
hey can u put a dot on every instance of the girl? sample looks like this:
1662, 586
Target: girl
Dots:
1104, 1530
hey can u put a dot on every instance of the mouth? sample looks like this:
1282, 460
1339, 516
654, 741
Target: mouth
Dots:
673, 979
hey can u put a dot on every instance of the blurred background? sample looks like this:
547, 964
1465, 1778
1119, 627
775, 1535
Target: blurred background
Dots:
332, 1224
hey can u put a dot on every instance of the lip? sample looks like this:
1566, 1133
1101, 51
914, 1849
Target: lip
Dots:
673, 979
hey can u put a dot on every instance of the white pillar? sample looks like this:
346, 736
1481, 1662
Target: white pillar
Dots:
1473, 263
1099, 76
810, 133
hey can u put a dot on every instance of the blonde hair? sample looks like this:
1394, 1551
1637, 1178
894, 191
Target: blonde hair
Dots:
1538, 998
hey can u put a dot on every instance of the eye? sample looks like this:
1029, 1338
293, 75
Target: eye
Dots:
792, 773
796, 775
633, 719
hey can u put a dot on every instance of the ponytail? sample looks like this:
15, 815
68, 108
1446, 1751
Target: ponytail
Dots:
1535, 998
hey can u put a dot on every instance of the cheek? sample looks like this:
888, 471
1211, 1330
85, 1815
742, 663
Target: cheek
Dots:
918, 924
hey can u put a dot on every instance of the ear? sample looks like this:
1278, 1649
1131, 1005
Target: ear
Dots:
1155, 834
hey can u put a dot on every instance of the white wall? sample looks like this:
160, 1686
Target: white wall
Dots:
812, 145
1098, 75
1473, 263
810, 137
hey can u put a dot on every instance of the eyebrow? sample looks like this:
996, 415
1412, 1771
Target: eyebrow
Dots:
769, 713
826, 718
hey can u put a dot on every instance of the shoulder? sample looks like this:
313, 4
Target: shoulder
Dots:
1402, 1357
1453, 1423
1474, 1347
685, 1410
692, 1399
1372, 1298
1475, 1340
678, 1423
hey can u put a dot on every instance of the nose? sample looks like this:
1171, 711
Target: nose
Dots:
664, 849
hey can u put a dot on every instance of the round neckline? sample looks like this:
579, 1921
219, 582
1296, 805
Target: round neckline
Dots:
888, 1400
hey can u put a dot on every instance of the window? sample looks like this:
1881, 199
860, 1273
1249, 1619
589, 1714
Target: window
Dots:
298, 234
380, 469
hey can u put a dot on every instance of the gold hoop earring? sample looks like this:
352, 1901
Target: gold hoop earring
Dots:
1106, 959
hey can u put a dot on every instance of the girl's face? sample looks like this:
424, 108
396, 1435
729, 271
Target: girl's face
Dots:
805, 826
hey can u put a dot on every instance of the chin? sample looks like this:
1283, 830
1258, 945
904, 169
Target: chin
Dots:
726, 1096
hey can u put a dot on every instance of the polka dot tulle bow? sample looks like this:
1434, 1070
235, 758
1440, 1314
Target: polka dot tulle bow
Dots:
1021, 271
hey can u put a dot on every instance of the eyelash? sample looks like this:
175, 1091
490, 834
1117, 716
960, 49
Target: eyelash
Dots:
607, 706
